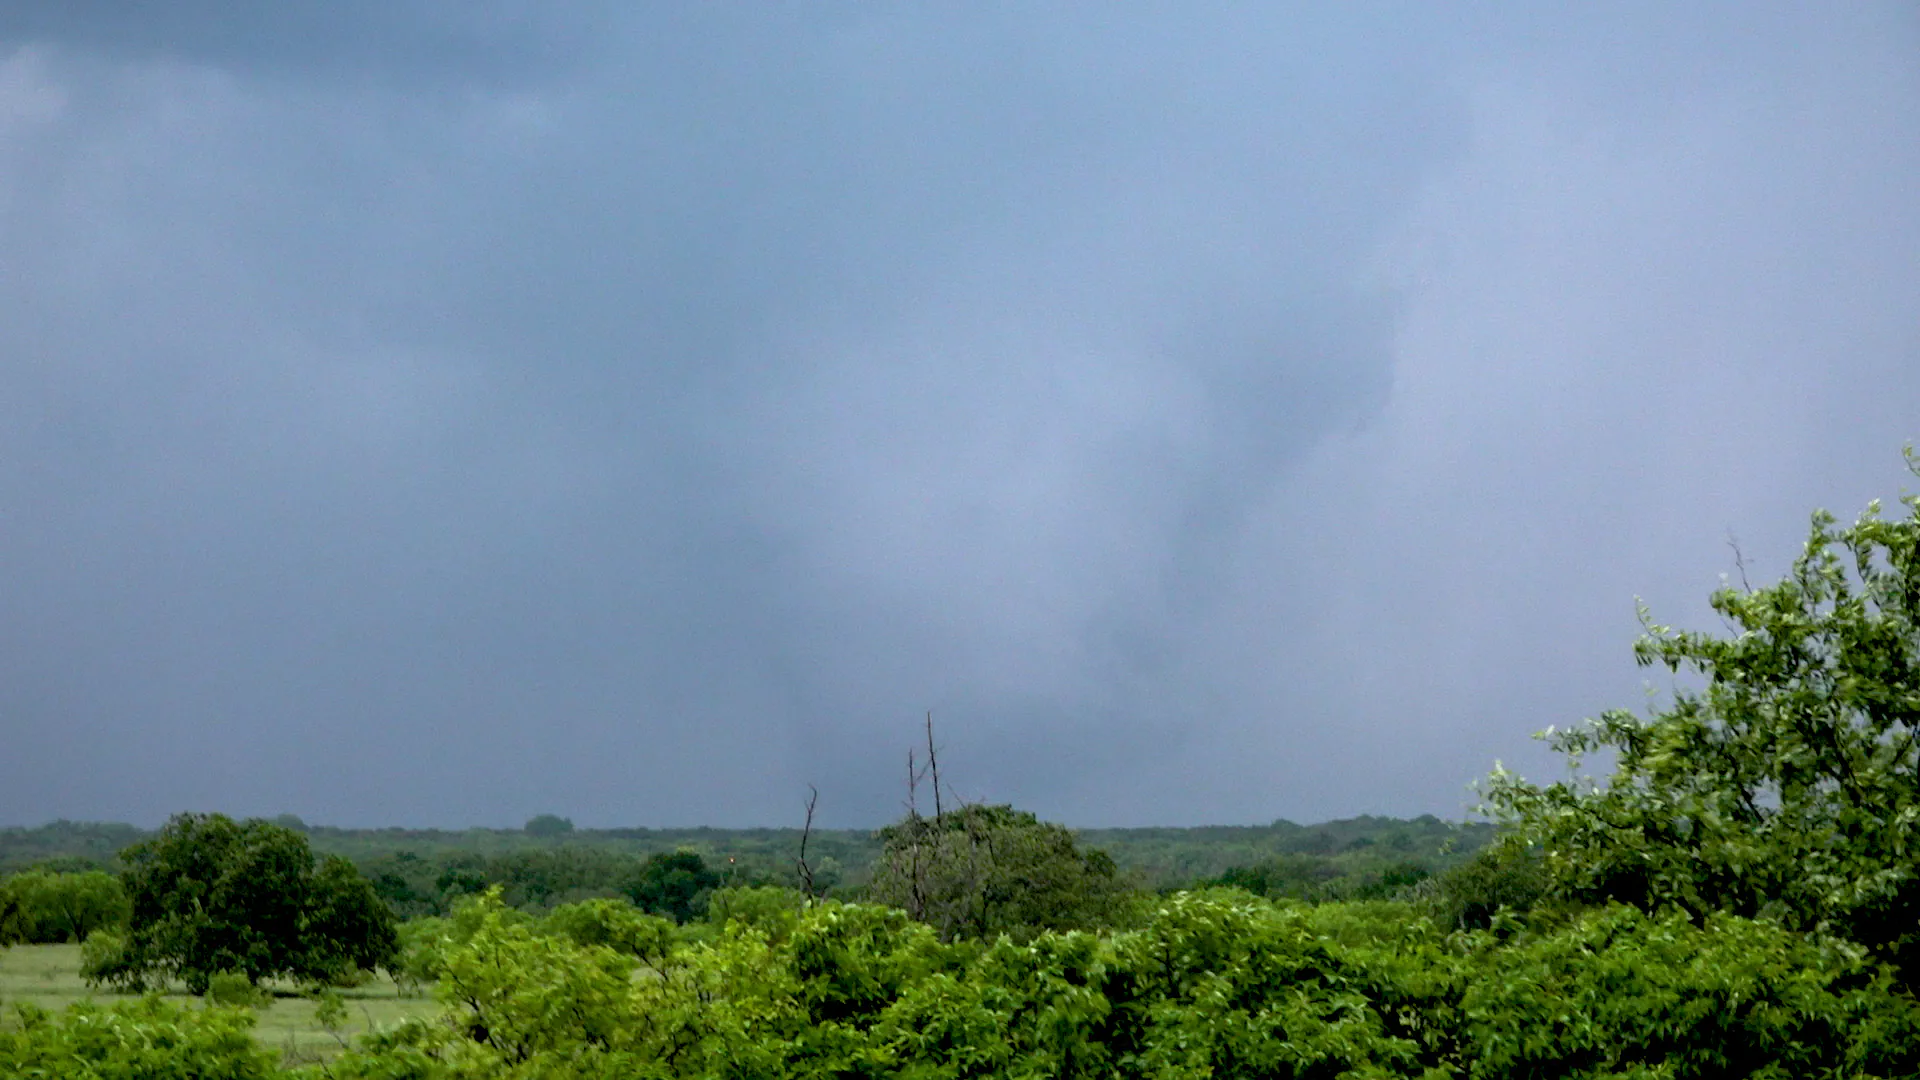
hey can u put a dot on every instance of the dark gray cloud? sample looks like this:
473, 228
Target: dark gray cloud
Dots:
407, 41
441, 414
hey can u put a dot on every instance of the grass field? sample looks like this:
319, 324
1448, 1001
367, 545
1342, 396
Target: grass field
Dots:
49, 976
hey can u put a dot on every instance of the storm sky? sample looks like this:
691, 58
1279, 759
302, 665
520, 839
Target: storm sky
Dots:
423, 413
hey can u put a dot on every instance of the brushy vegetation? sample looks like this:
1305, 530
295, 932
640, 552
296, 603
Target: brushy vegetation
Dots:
1216, 983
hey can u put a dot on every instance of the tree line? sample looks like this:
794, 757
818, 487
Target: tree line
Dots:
551, 862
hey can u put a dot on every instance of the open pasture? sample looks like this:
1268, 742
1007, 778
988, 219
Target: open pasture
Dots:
49, 976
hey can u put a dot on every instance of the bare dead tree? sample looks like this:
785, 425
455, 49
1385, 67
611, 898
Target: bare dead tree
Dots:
933, 767
916, 838
806, 831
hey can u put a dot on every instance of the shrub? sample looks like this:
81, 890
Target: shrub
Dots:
1506, 877
147, 1039
234, 988
103, 962
771, 909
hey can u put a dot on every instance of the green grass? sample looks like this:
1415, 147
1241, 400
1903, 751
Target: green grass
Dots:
49, 976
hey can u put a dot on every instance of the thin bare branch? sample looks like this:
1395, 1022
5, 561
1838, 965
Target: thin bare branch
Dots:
933, 766
806, 831
1739, 561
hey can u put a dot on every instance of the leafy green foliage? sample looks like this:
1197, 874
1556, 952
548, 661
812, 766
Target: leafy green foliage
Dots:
770, 909
210, 895
1334, 856
1622, 993
613, 924
1219, 984
103, 959
65, 845
1505, 878
145, 1039
346, 928
330, 1011
1788, 785
1317, 878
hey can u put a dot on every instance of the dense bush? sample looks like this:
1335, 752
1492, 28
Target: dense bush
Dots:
1218, 984
770, 909
1507, 877
144, 1039
233, 988
614, 924
1620, 993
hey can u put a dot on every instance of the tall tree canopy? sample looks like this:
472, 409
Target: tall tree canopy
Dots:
674, 884
1786, 783
980, 871
210, 894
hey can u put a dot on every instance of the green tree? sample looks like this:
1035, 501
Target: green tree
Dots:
347, 927
985, 870
548, 825
1470, 896
209, 894
41, 906
57, 907
675, 884
1785, 780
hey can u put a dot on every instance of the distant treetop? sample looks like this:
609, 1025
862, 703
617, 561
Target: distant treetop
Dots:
549, 825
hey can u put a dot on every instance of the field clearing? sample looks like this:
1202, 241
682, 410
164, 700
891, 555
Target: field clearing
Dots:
49, 976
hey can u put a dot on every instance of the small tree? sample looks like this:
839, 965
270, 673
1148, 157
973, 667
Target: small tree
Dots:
1788, 785
45, 906
210, 894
